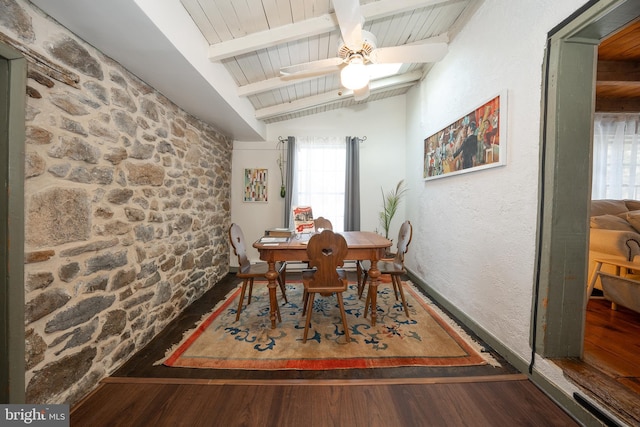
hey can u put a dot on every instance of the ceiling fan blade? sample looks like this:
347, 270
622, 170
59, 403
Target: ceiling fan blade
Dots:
322, 66
361, 94
427, 52
350, 20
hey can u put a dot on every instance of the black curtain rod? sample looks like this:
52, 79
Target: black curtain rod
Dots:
283, 140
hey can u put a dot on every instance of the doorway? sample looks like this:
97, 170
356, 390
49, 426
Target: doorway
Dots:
609, 334
565, 177
13, 72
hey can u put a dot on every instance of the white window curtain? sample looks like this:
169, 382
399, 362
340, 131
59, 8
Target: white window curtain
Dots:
319, 177
616, 157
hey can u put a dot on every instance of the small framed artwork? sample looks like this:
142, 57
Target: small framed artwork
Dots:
475, 141
255, 185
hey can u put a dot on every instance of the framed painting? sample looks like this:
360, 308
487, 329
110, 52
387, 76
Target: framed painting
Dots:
475, 141
255, 185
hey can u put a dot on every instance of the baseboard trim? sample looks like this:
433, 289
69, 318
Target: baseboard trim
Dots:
515, 360
597, 412
574, 404
574, 408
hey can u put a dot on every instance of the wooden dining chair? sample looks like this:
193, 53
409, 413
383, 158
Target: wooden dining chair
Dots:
325, 224
393, 266
322, 223
248, 271
326, 252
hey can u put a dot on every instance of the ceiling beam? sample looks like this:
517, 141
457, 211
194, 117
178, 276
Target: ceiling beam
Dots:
263, 39
283, 81
395, 82
618, 71
617, 105
270, 84
310, 27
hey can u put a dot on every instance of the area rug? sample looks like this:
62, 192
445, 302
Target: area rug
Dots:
427, 338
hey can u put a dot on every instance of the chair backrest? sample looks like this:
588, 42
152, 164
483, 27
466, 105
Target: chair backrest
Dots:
326, 252
404, 238
322, 222
239, 246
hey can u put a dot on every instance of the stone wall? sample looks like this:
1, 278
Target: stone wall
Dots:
126, 208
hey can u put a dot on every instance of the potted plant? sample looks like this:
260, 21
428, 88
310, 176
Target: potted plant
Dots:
390, 202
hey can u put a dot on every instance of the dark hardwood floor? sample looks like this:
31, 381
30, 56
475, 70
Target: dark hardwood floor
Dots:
477, 403
141, 393
609, 371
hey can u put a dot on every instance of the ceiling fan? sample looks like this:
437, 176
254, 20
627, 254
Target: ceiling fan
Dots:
358, 52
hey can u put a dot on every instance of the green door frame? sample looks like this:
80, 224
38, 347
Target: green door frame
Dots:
13, 82
565, 175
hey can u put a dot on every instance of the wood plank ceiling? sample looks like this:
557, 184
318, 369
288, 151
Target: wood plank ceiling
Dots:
253, 39
618, 76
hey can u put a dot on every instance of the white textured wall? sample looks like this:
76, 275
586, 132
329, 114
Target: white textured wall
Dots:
475, 233
255, 217
382, 162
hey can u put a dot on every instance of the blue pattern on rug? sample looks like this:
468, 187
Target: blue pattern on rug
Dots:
250, 343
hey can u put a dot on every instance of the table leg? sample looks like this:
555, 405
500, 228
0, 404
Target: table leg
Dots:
594, 277
374, 274
619, 271
271, 276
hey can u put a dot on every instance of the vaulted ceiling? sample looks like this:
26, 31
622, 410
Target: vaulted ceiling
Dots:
221, 59
254, 39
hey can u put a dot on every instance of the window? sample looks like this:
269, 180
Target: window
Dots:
319, 178
616, 157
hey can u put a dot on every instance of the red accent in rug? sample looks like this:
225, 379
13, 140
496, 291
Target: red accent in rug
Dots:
428, 338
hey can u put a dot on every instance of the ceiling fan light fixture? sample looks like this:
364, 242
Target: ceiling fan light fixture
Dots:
355, 75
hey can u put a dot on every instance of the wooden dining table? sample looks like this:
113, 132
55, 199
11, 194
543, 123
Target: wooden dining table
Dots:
362, 245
